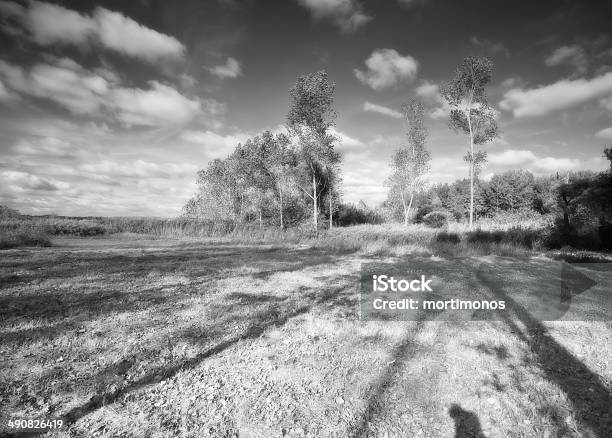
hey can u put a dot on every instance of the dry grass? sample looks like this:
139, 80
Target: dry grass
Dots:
158, 337
24, 235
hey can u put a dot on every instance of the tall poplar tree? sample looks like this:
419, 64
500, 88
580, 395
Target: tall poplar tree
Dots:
471, 112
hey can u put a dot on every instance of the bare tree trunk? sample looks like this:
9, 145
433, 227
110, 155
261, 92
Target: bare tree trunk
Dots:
280, 199
404, 206
280, 196
471, 171
260, 219
314, 200
331, 213
409, 206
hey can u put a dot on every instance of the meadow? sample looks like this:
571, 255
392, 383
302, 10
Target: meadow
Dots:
191, 330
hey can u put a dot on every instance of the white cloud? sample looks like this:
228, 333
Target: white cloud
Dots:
561, 95
525, 159
231, 69
81, 91
511, 82
574, 56
386, 67
138, 168
431, 96
215, 144
605, 133
20, 181
124, 35
368, 106
45, 146
348, 15
429, 91
345, 141
49, 24
606, 103
159, 105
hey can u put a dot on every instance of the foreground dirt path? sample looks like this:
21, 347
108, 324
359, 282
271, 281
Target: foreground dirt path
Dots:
168, 338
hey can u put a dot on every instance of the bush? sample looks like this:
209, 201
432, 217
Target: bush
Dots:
25, 235
82, 228
8, 213
516, 236
350, 214
448, 237
436, 219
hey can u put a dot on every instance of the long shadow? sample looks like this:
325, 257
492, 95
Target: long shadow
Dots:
96, 299
467, 424
165, 260
401, 354
273, 316
68, 309
591, 400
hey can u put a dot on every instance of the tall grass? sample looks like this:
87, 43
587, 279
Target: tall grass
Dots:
516, 234
24, 235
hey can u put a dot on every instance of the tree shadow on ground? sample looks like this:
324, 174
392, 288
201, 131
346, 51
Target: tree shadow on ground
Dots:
467, 424
237, 315
400, 356
588, 395
276, 314
92, 299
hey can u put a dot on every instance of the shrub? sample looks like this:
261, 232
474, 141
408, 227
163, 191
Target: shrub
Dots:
8, 213
448, 237
25, 235
436, 219
350, 214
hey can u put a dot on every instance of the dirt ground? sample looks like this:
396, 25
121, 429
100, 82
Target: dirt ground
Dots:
136, 337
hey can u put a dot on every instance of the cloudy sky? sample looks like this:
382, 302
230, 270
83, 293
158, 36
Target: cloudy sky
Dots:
109, 108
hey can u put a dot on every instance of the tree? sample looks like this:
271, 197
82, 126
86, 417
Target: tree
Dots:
219, 193
411, 162
310, 117
470, 111
267, 162
511, 190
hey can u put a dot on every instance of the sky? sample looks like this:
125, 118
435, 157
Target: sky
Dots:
110, 108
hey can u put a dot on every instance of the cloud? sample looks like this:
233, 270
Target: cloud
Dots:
489, 47
231, 69
430, 93
215, 144
348, 15
45, 147
345, 141
49, 24
511, 82
6, 95
561, 95
85, 92
574, 56
605, 133
368, 106
606, 103
159, 105
512, 158
138, 169
21, 181
386, 68
65, 82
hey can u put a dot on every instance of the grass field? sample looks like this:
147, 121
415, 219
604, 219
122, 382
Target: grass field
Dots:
129, 335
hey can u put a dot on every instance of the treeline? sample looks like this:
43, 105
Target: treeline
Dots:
579, 204
283, 178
